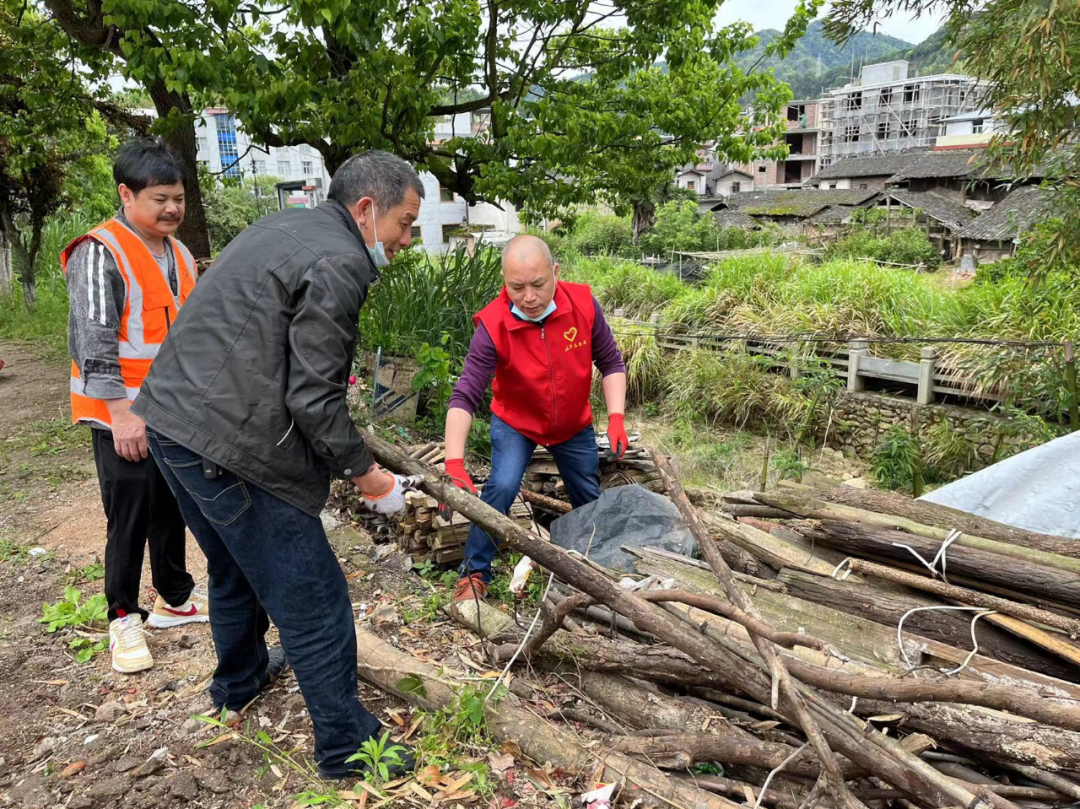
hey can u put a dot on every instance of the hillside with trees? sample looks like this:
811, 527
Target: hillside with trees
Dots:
816, 63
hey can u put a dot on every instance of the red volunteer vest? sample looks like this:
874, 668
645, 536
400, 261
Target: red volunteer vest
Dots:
544, 373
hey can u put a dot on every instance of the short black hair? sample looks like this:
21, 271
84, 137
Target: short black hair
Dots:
380, 175
144, 162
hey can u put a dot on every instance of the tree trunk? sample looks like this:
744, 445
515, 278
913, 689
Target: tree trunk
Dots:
644, 217
192, 231
948, 518
7, 269
886, 606
1041, 584
541, 740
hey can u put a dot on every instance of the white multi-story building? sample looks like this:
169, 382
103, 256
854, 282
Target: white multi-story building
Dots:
888, 111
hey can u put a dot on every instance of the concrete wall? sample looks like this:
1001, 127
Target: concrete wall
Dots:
435, 213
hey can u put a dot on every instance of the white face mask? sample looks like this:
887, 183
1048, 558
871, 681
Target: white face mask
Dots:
550, 308
378, 252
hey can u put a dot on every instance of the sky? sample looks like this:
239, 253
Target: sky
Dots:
774, 13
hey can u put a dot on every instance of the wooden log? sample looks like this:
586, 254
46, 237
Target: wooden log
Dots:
811, 508
949, 518
546, 503
966, 596
877, 753
1044, 583
387, 667
887, 606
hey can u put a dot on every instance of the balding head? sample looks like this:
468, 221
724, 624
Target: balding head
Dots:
529, 274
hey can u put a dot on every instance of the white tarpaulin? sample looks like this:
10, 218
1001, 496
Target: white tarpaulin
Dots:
1038, 490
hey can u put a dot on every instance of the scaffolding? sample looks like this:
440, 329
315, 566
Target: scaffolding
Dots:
892, 116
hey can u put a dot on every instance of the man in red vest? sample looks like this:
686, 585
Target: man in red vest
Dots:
539, 341
127, 280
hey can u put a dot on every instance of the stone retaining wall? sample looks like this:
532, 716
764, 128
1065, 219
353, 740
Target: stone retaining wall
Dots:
859, 419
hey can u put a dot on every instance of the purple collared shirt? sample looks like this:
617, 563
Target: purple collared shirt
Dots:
480, 363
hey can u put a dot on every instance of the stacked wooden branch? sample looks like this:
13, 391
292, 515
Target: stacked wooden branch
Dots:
423, 534
797, 680
542, 474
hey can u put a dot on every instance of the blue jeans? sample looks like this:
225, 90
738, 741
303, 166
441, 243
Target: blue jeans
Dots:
579, 466
266, 557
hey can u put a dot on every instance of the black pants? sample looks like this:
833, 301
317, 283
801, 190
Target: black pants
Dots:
139, 506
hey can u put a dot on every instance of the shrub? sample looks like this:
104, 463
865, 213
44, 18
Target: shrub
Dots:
904, 246
638, 290
644, 363
600, 233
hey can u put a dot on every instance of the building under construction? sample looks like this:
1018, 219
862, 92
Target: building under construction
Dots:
886, 111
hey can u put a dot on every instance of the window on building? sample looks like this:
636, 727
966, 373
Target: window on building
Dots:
883, 130
447, 230
305, 167
886, 95
690, 184
414, 232
851, 133
832, 187
795, 112
200, 145
736, 187
911, 93
761, 169
203, 164
284, 168
226, 137
445, 195
260, 166
977, 127
305, 148
864, 186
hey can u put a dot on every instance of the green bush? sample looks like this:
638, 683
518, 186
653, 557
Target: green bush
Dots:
904, 246
896, 459
600, 233
638, 290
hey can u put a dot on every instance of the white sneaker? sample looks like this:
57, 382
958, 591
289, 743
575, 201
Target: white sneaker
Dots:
127, 645
196, 610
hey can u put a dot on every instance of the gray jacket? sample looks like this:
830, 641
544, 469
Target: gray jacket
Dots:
254, 372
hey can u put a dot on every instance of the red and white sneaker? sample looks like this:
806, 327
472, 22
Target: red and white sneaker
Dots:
196, 610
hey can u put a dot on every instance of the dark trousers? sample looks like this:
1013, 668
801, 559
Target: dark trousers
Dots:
139, 506
579, 467
263, 557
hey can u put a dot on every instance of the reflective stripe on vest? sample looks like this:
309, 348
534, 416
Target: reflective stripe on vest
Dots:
149, 308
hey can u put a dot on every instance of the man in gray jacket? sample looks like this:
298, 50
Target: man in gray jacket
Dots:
246, 416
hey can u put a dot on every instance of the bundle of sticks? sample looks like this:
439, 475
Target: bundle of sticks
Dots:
778, 656
424, 534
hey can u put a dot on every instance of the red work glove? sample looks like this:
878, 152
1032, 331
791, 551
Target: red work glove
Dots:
455, 470
616, 433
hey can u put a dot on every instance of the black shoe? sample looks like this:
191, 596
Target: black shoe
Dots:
359, 772
277, 664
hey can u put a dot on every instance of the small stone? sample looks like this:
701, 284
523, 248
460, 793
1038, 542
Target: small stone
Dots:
183, 786
186, 642
44, 748
127, 763
211, 780
385, 614
149, 767
191, 726
80, 802
109, 712
92, 739
114, 787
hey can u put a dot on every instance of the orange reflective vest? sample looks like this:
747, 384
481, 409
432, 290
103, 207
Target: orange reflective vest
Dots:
149, 309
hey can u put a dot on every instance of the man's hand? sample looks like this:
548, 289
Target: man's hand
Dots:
455, 470
128, 431
616, 433
385, 493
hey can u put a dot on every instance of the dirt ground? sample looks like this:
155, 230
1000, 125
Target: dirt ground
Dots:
85, 737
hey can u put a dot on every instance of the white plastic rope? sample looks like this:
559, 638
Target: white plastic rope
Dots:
980, 612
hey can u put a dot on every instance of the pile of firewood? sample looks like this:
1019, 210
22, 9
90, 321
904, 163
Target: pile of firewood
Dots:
542, 474
799, 657
424, 534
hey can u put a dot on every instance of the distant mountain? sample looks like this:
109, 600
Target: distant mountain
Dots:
816, 64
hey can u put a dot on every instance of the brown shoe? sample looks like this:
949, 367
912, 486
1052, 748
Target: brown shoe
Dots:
470, 587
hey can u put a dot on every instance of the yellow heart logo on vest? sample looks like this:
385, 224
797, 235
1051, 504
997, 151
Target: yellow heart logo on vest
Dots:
570, 334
